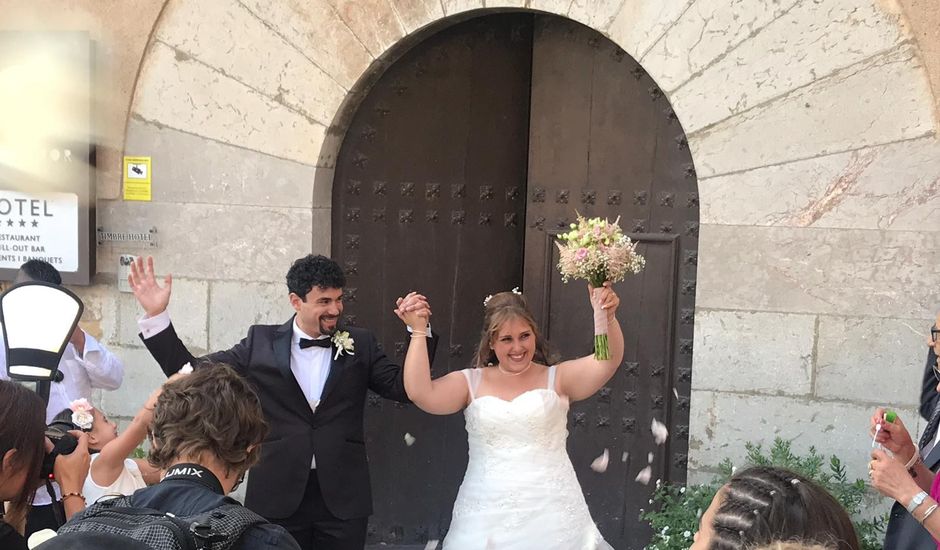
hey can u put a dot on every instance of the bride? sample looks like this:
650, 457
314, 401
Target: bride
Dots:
520, 490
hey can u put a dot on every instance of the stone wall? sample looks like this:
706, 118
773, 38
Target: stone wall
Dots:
812, 127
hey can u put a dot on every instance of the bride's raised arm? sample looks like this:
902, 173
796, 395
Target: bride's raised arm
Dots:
581, 378
446, 395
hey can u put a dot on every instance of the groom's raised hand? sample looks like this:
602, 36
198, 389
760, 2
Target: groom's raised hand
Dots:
150, 295
413, 310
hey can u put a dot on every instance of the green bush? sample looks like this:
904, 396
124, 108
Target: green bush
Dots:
675, 509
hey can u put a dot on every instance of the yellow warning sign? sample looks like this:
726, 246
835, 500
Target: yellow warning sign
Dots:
137, 174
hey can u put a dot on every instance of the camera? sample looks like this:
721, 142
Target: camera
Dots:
63, 443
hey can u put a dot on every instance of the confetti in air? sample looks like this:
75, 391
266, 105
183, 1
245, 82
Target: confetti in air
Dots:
624, 456
409, 439
431, 545
649, 458
644, 475
660, 433
675, 392
186, 369
600, 463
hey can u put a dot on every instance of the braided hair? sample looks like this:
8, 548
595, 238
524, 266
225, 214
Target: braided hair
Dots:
764, 504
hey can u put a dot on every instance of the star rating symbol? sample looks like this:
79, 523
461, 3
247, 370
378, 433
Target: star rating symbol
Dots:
35, 223
22, 223
9, 223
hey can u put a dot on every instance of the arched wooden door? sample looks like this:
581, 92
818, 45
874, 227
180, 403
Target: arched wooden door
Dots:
466, 157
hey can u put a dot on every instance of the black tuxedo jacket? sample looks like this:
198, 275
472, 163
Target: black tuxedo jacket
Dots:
334, 433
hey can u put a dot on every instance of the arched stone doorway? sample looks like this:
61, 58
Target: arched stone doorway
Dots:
468, 154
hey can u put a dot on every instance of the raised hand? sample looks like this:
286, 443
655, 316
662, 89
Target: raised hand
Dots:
150, 295
892, 436
606, 297
413, 310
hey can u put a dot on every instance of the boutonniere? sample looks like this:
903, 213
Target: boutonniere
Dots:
82, 415
343, 343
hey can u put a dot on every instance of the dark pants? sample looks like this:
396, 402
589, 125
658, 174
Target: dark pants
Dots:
313, 526
41, 517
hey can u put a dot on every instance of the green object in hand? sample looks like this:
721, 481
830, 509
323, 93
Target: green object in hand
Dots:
891, 416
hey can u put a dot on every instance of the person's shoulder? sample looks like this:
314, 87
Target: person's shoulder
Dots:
267, 536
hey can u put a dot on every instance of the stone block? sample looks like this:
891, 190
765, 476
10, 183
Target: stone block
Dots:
323, 187
374, 22
881, 100
100, 318
193, 169
894, 186
213, 32
200, 241
322, 233
874, 360
807, 43
235, 306
456, 6
142, 375
177, 91
315, 29
769, 353
559, 7
597, 14
415, 14
721, 423
188, 311
849, 272
707, 31
639, 25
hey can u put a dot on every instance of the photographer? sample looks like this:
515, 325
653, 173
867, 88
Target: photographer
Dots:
85, 365
22, 449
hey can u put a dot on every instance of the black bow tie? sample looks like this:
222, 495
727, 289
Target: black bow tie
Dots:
319, 342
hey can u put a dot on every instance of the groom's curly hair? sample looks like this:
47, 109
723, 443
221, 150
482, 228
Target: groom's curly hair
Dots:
212, 411
314, 270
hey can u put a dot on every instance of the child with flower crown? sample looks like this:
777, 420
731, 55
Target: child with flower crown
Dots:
112, 473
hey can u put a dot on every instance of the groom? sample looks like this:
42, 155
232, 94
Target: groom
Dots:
312, 379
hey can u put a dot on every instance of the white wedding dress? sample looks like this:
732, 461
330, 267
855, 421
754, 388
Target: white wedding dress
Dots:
520, 491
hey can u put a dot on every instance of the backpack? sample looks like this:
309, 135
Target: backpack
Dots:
135, 527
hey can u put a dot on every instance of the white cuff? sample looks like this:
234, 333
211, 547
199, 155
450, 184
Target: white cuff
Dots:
151, 326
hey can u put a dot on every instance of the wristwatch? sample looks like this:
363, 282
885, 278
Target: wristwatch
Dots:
916, 501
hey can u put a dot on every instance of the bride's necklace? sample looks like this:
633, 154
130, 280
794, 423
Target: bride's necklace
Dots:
510, 373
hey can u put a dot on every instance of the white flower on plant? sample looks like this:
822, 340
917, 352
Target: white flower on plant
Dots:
82, 415
687, 534
681, 490
343, 343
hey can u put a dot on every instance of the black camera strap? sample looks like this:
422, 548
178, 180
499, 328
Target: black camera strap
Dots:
196, 473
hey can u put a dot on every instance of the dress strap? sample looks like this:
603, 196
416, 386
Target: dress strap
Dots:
551, 378
473, 377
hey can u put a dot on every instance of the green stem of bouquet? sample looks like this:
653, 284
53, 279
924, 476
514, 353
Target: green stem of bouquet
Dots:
601, 348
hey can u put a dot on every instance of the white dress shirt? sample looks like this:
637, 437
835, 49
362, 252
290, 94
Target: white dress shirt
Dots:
96, 367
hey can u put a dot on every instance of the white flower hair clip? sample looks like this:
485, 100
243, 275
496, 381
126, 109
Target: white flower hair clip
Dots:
82, 415
515, 290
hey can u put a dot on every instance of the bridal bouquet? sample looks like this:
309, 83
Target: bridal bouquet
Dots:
597, 250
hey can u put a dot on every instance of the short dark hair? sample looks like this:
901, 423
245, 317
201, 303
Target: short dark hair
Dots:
765, 504
212, 411
314, 270
41, 270
22, 427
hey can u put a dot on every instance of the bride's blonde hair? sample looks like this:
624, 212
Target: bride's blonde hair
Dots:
497, 310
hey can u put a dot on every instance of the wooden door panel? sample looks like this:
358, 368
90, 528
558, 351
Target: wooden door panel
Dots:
625, 155
430, 196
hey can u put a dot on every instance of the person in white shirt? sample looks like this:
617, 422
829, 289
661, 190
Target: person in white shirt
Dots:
85, 365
